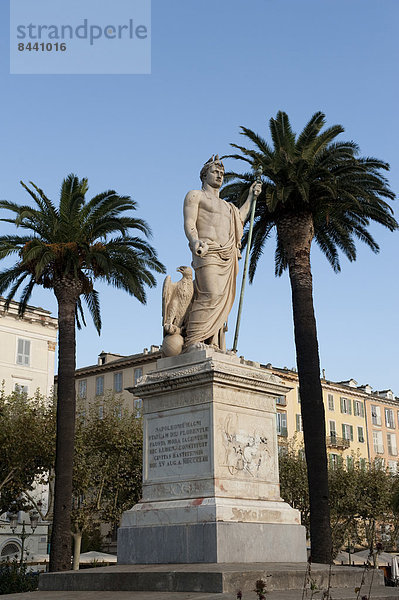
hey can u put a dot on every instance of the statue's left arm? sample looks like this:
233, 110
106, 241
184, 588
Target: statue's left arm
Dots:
253, 193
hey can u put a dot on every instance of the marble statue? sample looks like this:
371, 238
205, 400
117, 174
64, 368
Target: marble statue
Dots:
214, 230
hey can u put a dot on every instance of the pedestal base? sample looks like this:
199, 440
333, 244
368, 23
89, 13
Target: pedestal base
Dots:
212, 543
211, 490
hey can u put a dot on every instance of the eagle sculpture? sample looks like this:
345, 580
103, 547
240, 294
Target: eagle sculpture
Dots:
176, 301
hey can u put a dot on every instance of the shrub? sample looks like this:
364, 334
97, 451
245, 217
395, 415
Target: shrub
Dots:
14, 578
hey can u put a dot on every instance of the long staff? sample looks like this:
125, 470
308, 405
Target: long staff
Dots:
244, 275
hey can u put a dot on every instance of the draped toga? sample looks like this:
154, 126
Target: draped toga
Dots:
210, 308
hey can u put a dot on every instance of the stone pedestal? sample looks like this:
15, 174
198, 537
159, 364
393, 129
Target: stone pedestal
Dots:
210, 485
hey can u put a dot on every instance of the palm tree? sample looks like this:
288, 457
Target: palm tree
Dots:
67, 248
315, 189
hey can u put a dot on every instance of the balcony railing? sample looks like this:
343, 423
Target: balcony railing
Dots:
333, 441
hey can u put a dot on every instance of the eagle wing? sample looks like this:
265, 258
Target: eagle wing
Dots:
167, 293
184, 292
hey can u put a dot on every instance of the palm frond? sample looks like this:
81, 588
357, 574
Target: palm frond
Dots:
261, 143
280, 258
25, 296
317, 174
93, 304
79, 241
310, 132
8, 276
79, 314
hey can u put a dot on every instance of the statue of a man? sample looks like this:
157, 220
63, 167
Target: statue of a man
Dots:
214, 230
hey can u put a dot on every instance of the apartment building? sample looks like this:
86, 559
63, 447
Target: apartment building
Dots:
360, 423
383, 423
346, 426
114, 373
345, 404
27, 349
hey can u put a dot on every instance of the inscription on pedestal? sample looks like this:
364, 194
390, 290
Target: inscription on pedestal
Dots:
177, 444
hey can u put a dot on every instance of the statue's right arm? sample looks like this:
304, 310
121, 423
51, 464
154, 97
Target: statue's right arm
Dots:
190, 213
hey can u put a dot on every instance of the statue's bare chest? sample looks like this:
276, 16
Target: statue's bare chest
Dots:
214, 207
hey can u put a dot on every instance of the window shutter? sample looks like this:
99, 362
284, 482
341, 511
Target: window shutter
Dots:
343, 431
351, 428
342, 404
349, 401
20, 352
26, 352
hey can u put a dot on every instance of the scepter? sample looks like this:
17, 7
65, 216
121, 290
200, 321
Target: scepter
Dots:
258, 179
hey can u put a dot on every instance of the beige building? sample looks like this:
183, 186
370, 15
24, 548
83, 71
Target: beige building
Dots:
345, 412
383, 424
27, 349
360, 423
114, 373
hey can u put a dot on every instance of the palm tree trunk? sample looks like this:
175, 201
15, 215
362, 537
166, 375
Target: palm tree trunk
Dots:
296, 234
60, 551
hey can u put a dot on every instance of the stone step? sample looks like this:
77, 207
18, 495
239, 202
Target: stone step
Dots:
210, 578
379, 593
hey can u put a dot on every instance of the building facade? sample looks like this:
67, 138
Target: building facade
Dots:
113, 374
361, 424
27, 349
383, 424
27, 357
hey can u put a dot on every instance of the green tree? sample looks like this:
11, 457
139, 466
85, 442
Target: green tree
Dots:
107, 469
27, 444
362, 499
293, 480
67, 248
375, 487
315, 188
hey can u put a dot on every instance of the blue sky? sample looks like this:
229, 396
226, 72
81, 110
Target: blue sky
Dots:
216, 66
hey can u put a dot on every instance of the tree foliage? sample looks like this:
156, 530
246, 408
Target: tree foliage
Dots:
27, 444
107, 474
293, 480
312, 173
108, 460
362, 499
108, 465
80, 241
